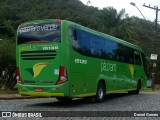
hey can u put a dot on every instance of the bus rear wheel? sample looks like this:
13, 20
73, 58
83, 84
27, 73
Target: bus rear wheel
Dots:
100, 93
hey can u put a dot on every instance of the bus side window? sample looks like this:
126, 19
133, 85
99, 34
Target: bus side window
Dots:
75, 35
130, 61
137, 58
74, 39
83, 40
128, 55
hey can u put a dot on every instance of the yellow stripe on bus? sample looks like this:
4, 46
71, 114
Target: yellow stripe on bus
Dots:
119, 91
84, 95
43, 94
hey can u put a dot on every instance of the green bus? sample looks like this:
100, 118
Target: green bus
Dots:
62, 59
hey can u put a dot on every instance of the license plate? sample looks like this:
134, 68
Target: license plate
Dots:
38, 90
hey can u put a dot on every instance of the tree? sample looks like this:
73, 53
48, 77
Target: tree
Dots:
7, 53
111, 19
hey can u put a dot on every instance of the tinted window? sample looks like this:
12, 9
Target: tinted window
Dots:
137, 58
125, 54
81, 41
111, 49
129, 56
92, 45
97, 46
39, 32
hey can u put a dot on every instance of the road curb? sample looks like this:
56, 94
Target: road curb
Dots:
16, 96
11, 98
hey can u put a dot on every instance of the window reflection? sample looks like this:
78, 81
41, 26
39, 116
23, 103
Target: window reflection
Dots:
92, 45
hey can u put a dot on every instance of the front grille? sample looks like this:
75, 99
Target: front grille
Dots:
38, 55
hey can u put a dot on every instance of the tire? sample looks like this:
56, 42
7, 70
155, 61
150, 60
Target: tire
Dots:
100, 93
137, 90
64, 99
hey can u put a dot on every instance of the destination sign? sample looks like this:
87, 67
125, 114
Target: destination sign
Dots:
36, 28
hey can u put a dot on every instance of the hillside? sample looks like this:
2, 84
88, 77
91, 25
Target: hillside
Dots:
131, 29
19, 11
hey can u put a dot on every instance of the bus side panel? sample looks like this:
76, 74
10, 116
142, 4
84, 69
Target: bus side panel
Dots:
85, 72
84, 75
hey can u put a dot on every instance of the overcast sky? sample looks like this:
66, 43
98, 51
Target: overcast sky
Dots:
131, 10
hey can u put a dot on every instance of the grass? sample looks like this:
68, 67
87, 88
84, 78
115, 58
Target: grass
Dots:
8, 92
14, 91
150, 90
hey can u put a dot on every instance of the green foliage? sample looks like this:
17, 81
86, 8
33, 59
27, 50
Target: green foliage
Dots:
107, 20
7, 53
111, 19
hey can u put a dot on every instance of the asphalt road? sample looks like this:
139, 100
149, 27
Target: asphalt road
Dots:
120, 103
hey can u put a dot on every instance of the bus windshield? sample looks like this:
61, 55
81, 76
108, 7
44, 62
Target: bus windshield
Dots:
39, 33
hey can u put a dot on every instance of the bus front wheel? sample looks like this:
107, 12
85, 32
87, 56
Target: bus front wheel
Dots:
137, 90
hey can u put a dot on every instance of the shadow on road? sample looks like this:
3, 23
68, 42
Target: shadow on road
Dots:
115, 96
78, 102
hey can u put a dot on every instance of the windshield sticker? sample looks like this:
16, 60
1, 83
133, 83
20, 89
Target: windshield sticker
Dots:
108, 67
32, 28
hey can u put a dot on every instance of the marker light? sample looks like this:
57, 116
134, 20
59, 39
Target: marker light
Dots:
59, 20
19, 80
62, 75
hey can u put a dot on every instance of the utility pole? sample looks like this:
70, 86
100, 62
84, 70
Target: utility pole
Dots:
154, 62
156, 21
